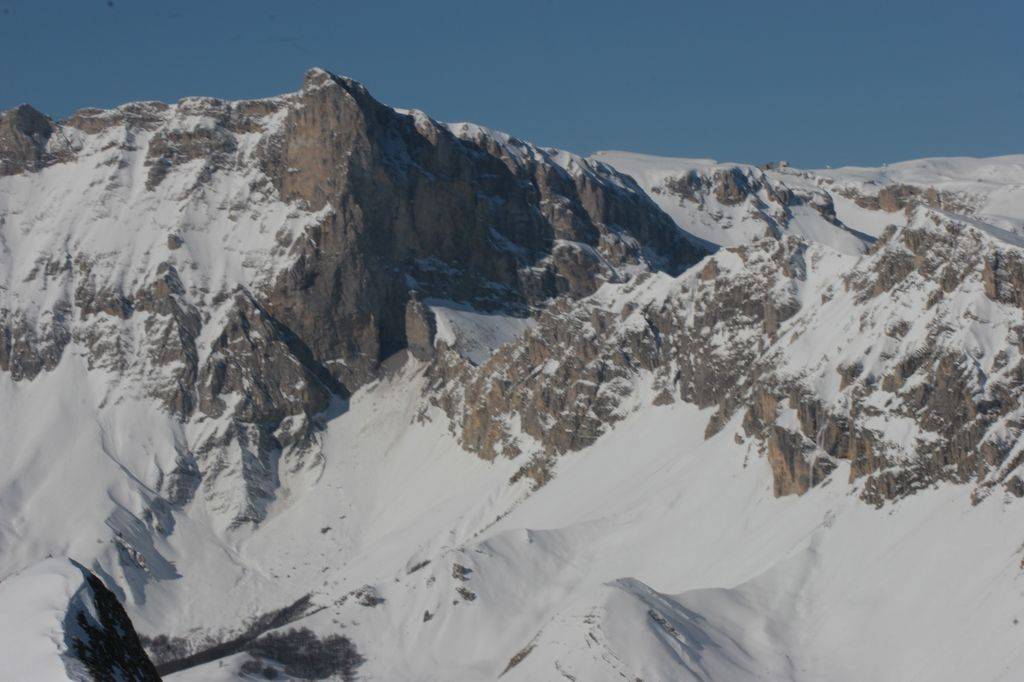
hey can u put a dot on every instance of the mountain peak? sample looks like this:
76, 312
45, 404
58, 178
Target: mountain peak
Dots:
24, 133
317, 77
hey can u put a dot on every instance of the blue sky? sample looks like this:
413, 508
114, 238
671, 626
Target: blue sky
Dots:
812, 82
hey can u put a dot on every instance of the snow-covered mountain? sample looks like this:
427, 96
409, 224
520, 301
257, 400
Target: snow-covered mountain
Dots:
326, 389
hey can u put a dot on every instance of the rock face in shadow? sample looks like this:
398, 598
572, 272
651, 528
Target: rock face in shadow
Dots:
105, 641
25, 141
65, 624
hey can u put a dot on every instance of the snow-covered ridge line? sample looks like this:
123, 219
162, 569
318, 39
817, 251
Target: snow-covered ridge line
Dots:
726, 203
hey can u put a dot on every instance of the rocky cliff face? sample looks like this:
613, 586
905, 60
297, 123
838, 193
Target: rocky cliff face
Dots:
471, 218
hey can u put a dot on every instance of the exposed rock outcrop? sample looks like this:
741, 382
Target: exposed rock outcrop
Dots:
25, 141
906, 395
731, 204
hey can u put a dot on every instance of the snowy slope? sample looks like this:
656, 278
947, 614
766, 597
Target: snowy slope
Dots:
35, 602
473, 334
669, 561
990, 190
